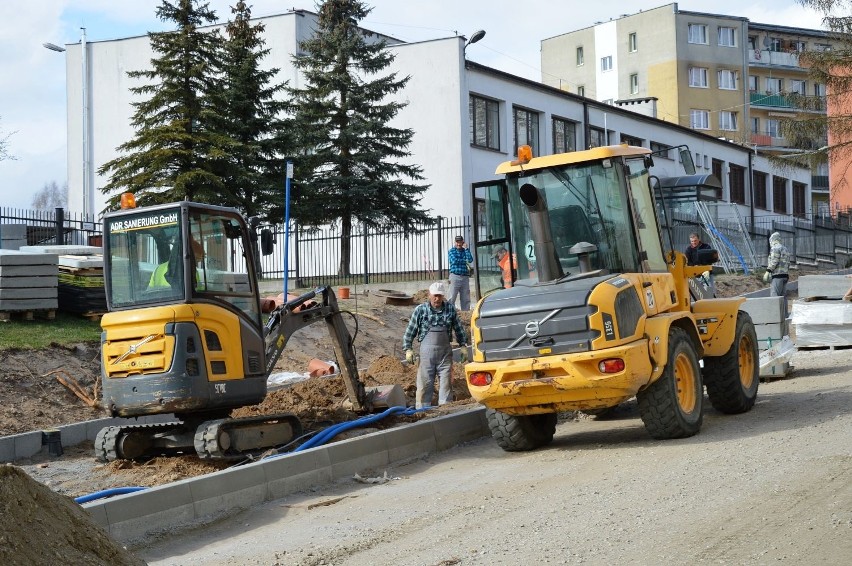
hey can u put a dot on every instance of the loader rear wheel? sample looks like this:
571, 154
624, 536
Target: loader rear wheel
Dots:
521, 433
732, 379
671, 407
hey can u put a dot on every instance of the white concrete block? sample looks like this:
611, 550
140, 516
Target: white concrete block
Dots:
82, 262
765, 310
68, 249
17, 257
823, 286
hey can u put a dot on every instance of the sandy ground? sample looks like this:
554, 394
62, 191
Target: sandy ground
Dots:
772, 486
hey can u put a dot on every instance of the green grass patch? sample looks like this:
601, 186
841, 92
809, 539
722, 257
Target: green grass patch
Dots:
66, 329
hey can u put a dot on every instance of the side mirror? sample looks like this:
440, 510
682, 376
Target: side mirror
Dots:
686, 160
266, 241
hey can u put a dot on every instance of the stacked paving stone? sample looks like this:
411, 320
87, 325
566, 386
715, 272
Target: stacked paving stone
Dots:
28, 284
80, 278
13, 236
770, 324
820, 318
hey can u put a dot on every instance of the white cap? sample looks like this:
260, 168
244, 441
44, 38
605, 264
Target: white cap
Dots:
437, 288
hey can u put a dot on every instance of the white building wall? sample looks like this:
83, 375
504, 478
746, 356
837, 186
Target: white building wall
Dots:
606, 45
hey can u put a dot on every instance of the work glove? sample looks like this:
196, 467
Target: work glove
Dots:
766, 277
706, 275
409, 356
463, 354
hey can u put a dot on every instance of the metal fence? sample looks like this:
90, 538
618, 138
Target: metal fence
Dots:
391, 256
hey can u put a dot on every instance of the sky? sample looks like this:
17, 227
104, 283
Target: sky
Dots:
32, 78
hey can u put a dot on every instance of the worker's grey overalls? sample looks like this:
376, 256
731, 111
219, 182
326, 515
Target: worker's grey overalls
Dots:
436, 357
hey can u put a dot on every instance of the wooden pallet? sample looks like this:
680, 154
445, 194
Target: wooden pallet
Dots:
839, 347
26, 315
93, 316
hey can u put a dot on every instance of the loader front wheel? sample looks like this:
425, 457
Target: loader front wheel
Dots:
521, 433
671, 407
732, 379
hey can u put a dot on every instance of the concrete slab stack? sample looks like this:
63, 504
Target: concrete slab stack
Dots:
28, 284
820, 318
770, 324
81, 278
13, 236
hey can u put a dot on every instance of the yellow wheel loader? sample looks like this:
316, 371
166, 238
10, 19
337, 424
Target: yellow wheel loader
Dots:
600, 308
185, 334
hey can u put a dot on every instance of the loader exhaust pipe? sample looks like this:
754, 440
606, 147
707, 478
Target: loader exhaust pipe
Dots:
547, 262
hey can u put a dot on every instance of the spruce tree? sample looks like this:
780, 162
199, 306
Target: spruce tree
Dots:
253, 166
173, 153
353, 168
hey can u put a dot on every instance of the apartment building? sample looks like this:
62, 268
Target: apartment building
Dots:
718, 74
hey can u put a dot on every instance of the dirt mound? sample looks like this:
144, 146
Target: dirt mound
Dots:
39, 526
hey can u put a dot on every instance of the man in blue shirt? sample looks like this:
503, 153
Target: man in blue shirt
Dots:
459, 259
433, 323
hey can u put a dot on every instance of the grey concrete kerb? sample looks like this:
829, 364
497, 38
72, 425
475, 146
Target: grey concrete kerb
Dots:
193, 501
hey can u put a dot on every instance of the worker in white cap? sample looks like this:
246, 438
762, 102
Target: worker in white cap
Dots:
433, 323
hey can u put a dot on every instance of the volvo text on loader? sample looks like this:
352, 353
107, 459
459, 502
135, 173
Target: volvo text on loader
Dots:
599, 309
185, 335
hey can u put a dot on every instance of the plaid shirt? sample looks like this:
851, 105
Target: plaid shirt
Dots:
458, 258
779, 260
425, 317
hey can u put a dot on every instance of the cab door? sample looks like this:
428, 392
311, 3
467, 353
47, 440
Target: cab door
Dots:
490, 229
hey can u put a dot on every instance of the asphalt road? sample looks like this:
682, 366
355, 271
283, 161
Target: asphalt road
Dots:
770, 486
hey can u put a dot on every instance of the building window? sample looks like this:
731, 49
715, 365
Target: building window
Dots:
580, 59
597, 137
773, 86
760, 190
631, 42
755, 125
772, 128
798, 199
698, 33
717, 165
779, 195
634, 84
660, 149
727, 37
564, 136
699, 119
736, 183
822, 47
631, 140
728, 120
606, 63
798, 86
581, 90
819, 89
751, 43
775, 44
484, 122
526, 129
798, 46
698, 77
752, 83
727, 79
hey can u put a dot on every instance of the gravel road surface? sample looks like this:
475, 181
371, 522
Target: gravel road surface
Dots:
767, 487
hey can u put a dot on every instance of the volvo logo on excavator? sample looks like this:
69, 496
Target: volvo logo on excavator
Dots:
532, 329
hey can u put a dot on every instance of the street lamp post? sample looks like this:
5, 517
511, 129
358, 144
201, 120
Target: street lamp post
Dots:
88, 195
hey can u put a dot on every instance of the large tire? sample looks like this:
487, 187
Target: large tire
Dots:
732, 379
521, 433
671, 407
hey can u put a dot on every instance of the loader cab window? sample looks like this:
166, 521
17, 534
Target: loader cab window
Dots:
586, 202
177, 254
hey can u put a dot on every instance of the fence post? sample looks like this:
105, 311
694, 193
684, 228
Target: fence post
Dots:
60, 226
296, 263
366, 265
440, 248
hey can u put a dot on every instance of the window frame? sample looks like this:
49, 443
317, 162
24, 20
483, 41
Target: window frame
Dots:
705, 119
580, 56
632, 44
698, 77
732, 35
729, 123
634, 83
700, 30
606, 63
559, 127
532, 126
490, 111
732, 83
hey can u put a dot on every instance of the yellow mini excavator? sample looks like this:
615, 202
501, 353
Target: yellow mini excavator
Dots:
185, 334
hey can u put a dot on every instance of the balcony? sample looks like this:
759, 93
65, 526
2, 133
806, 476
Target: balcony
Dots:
767, 140
777, 100
761, 57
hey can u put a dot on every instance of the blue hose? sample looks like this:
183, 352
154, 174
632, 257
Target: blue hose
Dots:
107, 493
